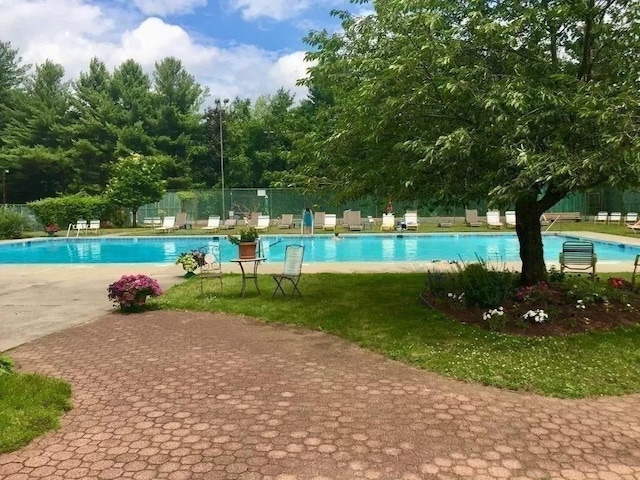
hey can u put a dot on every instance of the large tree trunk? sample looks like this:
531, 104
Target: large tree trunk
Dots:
528, 214
528, 211
134, 211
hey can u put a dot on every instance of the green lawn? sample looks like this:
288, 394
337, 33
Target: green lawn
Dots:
30, 405
382, 312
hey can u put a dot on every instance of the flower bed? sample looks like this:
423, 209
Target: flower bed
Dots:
569, 304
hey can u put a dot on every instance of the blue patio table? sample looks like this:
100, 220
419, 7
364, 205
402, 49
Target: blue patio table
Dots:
247, 275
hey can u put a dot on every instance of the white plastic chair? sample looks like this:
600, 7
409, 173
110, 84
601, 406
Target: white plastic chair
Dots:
510, 218
493, 219
213, 223
168, 224
411, 220
388, 222
263, 222
601, 217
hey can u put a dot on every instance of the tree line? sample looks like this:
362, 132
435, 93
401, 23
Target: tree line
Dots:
60, 137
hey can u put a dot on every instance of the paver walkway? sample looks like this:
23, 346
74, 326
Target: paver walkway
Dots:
173, 396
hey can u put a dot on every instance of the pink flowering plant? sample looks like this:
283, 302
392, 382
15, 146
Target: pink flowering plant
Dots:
131, 291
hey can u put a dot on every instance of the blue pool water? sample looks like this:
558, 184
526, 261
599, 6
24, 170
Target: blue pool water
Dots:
320, 248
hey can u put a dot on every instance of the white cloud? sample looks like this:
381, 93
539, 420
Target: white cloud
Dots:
275, 9
168, 7
71, 32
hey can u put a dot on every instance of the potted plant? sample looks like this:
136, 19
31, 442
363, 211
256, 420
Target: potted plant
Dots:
51, 229
131, 291
190, 261
246, 241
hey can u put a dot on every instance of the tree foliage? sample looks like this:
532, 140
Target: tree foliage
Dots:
516, 102
135, 181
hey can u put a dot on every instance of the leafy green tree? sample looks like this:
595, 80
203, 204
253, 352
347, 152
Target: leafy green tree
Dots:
516, 102
135, 181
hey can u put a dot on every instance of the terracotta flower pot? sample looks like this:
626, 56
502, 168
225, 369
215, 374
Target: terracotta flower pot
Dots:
247, 249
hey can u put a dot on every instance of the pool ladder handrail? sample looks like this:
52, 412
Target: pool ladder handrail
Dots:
69, 230
550, 225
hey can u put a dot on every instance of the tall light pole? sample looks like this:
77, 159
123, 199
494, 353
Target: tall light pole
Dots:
4, 186
220, 106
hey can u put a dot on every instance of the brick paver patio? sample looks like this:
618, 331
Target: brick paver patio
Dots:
173, 396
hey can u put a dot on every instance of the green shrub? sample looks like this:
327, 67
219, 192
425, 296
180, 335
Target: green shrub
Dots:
65, 210
594, 291
6, 365
486, 287
12, 224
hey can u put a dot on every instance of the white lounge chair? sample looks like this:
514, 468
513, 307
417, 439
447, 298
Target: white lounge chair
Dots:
355, 220
493, 219
510, 218
330, 221
213, 224
388, 222
81, 226
94, 226
168, 224
263, 222
318, 219
471, 218
615, 218
229, 224
601, 217
286, 221
631, 218
411, 220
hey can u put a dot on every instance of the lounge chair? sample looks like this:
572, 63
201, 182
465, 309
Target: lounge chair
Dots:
292, 270
510, 218
168, 224
615, 218
286, 220
493, 219
264, 221
213, 224
147, 222
370, 222
94, 226
229, 224
181, 221
388, 222
253, 219
578, 256
601, 217
346, 216
635, 227
411, 220
448, 223
630, 218
318, 220
471, 218
212, 267
81, 226
330, 221
355, 221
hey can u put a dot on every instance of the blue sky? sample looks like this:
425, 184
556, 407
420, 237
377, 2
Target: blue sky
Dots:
235, 47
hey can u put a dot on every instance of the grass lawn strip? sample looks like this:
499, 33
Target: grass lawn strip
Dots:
30, 405
382, 312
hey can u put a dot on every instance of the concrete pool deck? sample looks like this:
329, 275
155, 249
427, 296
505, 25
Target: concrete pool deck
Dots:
37, 300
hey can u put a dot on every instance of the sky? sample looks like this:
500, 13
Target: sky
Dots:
240, 48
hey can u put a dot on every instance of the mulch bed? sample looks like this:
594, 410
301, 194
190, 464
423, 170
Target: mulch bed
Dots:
564, 317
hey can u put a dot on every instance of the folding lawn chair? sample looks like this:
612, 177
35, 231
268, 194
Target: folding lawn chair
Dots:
292, 270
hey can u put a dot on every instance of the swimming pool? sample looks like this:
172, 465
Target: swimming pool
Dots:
318, 249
